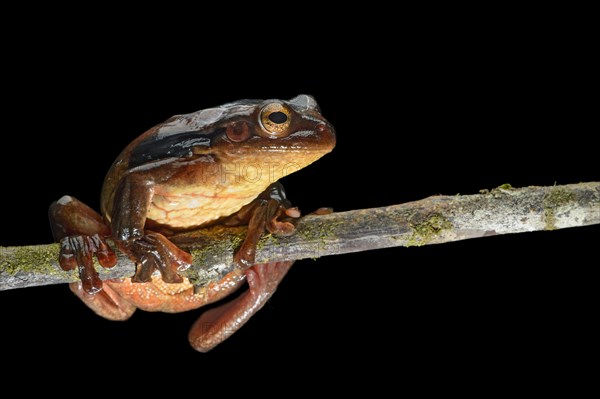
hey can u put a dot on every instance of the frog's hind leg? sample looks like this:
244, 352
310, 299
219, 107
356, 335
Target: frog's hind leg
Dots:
271, 212
81, 232
216, 325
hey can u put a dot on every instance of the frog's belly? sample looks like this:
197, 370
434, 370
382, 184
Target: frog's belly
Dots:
185, 208
158, 296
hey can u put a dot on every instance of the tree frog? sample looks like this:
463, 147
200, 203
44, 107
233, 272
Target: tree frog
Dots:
215, 166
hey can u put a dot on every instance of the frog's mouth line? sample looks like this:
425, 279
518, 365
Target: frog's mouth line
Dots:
296, 149
204, 195
303, 133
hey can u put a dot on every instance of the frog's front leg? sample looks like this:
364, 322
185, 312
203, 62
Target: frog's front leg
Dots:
149, 249
81, 233
271, 212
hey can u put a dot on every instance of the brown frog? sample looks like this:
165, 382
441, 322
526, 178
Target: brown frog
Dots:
215, 166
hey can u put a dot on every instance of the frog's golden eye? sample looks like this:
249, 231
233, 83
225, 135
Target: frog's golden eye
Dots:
275, 119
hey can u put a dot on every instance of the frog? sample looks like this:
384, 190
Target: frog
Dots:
216, 166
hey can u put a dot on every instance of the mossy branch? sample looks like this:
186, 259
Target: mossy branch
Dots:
433, 220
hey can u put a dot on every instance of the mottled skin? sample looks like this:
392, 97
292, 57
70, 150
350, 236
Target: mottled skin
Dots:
218, 165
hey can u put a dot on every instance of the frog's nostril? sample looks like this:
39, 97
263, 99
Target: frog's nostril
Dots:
321, 127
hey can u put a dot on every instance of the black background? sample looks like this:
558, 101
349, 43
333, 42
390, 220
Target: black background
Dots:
418, 116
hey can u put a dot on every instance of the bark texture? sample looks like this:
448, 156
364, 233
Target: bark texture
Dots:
433, 220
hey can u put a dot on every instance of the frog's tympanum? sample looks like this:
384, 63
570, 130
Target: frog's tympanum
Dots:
215, 166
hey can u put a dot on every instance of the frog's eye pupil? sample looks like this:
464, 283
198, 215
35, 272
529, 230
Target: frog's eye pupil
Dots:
278, 117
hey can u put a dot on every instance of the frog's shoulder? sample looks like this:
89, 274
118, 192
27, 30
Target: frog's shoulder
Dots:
177, 136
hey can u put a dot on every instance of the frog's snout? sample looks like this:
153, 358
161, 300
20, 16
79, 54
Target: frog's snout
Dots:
326, 133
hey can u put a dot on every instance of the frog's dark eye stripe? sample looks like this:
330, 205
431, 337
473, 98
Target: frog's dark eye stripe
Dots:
174, 146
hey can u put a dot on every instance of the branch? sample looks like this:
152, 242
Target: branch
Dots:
433, 220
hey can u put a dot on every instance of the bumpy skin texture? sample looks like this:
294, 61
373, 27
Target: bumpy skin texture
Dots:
218, 165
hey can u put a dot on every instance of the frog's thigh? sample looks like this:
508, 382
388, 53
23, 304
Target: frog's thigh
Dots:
69, 216
216, 325
106, 303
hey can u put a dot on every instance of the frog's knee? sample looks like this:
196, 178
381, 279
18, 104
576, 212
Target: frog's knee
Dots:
69, 216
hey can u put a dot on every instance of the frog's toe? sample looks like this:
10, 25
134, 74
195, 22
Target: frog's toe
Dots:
245, 256
105, 255
293, 212
66, 258
322, 211
281, 228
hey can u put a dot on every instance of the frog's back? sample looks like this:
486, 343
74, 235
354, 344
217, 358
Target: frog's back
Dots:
173, 139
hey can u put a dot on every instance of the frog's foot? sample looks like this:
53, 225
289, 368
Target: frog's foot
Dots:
106, 303
77, 252
153, 251
81, 232
218, 324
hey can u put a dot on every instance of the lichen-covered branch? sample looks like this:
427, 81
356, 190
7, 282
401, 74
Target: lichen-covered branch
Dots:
433, 220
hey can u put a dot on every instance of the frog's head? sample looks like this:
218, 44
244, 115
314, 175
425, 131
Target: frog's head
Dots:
279, 136
272, 138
